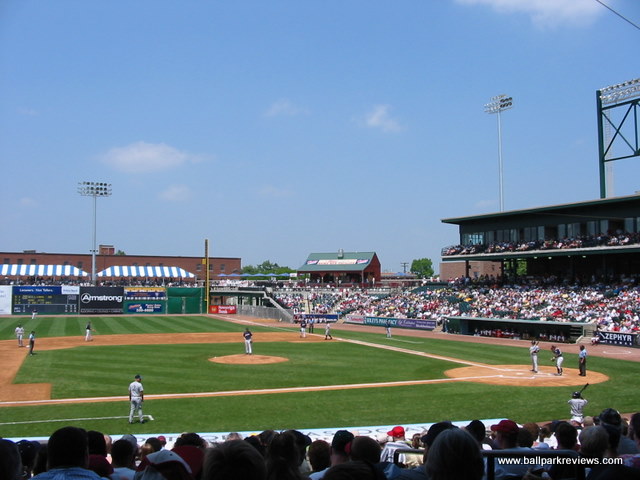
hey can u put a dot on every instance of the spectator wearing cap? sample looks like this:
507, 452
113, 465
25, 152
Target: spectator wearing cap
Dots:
191, 447
507, 439
163, 465
302, 443
611, 419
478, 431
397, 442
340, 451
68, 456
28, 451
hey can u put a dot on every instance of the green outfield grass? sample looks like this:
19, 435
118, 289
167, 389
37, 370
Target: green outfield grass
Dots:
94, 371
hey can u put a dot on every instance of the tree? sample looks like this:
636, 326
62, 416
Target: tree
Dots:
423, 267
266, 267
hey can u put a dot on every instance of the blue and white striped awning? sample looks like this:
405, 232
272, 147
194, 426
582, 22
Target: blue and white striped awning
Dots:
41, 271
134, 271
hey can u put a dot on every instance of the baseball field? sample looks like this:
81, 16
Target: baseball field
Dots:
197, 378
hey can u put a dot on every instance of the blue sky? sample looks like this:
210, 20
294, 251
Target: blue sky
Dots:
279, 128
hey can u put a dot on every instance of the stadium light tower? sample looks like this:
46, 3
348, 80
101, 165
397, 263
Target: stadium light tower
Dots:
499, 104
95, 190
618, 126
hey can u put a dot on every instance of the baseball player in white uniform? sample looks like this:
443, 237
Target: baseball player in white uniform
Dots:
136, 397
533, 350
20, 335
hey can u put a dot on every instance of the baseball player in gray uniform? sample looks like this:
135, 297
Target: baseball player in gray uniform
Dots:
533, 350
136, 397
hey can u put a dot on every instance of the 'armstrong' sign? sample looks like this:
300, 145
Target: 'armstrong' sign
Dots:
101, 300
621, 339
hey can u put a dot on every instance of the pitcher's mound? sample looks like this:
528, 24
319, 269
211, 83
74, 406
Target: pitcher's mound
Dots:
248, 359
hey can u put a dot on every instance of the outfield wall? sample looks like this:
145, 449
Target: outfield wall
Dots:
88, 300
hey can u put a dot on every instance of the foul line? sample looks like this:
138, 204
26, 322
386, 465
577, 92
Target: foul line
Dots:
150, 417
227, 393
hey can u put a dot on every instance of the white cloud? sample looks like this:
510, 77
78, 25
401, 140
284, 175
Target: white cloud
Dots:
28, 112
284, 107
546, 13
142, 157
274, 192
176, 193
379, 118
28, 202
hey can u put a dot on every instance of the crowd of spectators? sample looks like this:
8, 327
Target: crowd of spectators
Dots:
583, 241
444, 451
46, 281
611, 307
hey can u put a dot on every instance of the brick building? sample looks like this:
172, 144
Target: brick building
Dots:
107, 257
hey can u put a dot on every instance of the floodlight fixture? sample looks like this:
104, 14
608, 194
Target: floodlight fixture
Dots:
499, 104
620, 92
95, 190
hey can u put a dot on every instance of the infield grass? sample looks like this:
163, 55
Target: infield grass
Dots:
95, 370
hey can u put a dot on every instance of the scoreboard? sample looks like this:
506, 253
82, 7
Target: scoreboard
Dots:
58, 299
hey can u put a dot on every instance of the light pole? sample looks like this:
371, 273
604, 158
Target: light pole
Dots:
498, 104
95, 190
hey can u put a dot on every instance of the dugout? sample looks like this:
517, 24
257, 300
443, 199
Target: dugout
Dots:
513, 328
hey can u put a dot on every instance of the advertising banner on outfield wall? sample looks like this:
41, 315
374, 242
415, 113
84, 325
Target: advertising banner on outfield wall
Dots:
621, 339
5, 300
223, 309
145, 293
320, 318
145, 307
101, 300
412, 323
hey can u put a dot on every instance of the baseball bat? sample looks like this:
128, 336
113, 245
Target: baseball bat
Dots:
583, 388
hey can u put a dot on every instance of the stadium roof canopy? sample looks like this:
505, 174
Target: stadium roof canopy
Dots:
338, 262
596, 209
8, 270
136, 271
